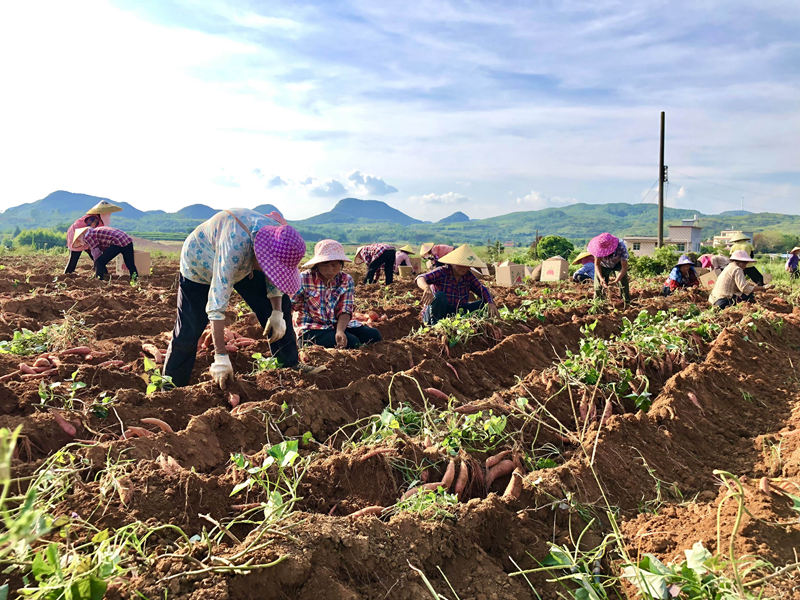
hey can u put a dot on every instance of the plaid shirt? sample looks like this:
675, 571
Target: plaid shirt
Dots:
441, 279
371, 252
100, 239
730, 282
613, 259
320, 305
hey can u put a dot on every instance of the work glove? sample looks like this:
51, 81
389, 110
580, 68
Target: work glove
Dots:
221, 370
276, 324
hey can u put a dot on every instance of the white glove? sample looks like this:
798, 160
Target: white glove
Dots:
277, 324
222, 370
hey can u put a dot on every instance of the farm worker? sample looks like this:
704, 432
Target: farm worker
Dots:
326, 300
610, 254
401, 258
431, 253
714, 262
375, 256
586, 270
446, 289
102, 210
792, 263
104, 244
732, 286
682, 276
237, 249
741, 242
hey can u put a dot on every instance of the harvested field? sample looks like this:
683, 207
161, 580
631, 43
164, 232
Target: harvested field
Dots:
590, 434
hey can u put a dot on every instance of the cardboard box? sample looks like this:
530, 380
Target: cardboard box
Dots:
140, 258
509, 275
416, 263
701, 271
555, 269
406, 272
708, 280
767, 278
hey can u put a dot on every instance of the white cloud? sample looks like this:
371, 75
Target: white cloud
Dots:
373, 186
537, 200
446, 198
329, 188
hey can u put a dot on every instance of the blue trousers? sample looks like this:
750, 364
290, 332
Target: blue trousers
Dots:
356, 336
441, 308
192, 320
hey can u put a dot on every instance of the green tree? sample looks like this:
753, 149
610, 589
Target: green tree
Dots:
41, 238
494, 250
554, 245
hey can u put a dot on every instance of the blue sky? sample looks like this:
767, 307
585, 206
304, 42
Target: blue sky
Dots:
433, 107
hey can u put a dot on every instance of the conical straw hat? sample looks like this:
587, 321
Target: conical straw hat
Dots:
581, 257
738, 237
103, 207
795, 249
78, 234
463, 256
407, 249
425, 248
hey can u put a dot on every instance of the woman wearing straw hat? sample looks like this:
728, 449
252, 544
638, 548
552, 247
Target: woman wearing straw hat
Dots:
242, 250
104, 244
732, 287
714, 262
586, 270
401, 258
682, 276
100, 213
326, 300
375, 256
431, 253
610, 254
446, 289
741, 243
792, 263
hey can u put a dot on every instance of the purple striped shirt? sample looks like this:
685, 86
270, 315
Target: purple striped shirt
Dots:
99, 239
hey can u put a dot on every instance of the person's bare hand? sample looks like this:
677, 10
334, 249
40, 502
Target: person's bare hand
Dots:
492, 310
341, 339
427, 296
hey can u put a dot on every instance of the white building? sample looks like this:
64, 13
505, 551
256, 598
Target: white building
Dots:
686, 237
723, 239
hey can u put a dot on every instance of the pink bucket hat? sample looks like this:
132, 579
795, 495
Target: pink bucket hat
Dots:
327, 250
602, 245
742, 256
705, 261
278, 251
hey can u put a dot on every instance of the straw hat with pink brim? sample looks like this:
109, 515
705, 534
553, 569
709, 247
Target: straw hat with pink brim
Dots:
326, 251
425, 248
279, 251
795, 249
78, 234
602, 245
463, 256
103, 207
742, 256
582, 258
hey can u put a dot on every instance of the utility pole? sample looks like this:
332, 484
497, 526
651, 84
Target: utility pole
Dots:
662, 177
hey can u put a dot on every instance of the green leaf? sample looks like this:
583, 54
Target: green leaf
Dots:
100, 536
4, 587
241, 486
697, 557
307, 437
149, 365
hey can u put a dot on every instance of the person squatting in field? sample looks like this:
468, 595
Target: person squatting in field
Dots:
376, 256
446, 289
731, 286
431, 253
401, 258
586, 270
792, 263
715, 263
256, 255
326, 299
610, 254
102, 212
104, 244
682, 276
742, 243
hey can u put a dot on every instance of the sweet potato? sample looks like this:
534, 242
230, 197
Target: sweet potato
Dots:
233, 399
244, 342
133, 431
41, 375
154, 352
377, 452
373, 315
111, 363
369, 510
463, 478
514, 487
449, 474
501, 469
493, 460
43, 361
68, 427
695, 401
79, 350
162, 425
231, 348
436, 394
26, 368
763, 485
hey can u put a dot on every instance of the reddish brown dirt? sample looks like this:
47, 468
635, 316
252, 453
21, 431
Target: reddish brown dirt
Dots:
655, 468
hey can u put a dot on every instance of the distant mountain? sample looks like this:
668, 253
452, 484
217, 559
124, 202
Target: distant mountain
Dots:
197, 211
735, 213
265, 209
353, 210
456, 217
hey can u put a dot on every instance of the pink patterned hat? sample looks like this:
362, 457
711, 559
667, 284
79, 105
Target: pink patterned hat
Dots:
602, 245
278, 251
327, 250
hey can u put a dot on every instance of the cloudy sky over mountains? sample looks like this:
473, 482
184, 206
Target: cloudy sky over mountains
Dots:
433, 107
